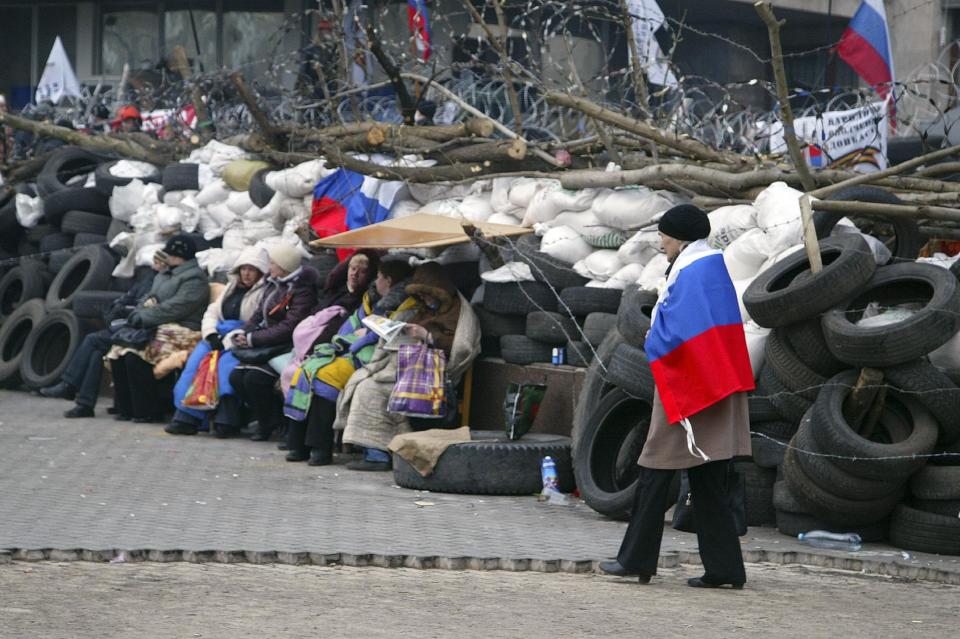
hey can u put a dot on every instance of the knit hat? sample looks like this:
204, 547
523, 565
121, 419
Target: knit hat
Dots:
285, 256
180, 246
686, 223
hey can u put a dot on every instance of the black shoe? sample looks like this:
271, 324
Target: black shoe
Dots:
112, 410
149, 419
614, 568
283, 446
297, 455
62, 390
180, 428
261, 435
701, 582
123, 417
365, 464
223, 431
321, 458
79, 411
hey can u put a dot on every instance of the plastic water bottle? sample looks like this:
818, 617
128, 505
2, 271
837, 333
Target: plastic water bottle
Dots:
548, 473
834, 541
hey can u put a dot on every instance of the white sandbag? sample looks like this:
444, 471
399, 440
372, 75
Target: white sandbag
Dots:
565, 244
299, 180
174, 198
626, 276
405, 208
426, 193
747, 253
239, 202
770, 261
881, 253
629, 208
523, 190
217, 155
222, 215
502, 218
653, 277
592, 230
476, 208
541, 208
596, 284
448, 207
947, 357
291, 209
216, 260
730, 222
778, 215
146, 252
126, 199
599, 265
756, 340
132, 169
254, 231
145, 218
500, 195
741, 286
169, 218
208, 227
215, 192
509, 272
572, 200
642, 247
233, 239
29, 210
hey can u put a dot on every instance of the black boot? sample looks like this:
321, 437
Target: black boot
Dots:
62, 390
296, 434
180, 428
320, 457
79, 411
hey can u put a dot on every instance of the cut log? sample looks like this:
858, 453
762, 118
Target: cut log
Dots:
499, 151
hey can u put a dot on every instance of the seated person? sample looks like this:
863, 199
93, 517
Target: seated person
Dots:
443, 320
81, 378
289, 295
313, 387
232, 309
174, 307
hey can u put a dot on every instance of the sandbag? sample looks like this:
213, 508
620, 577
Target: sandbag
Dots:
500, 195
756, 337
626, 276
213, 193
746, 254
599, 265
237, 174
404, 208
654, 277
29, 210
126, 199
523, 190
727, 223
642, 247
509, 272
778, 215
629, 208
503, 218
297, 181
565, 244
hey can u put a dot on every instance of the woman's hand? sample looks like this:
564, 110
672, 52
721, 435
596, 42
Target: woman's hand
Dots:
417, 332
361, 332
150, 301
240, 340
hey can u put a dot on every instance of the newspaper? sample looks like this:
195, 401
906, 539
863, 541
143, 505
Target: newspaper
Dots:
390, 330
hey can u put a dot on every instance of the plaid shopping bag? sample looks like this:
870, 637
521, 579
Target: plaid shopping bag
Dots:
419, 389
204, 391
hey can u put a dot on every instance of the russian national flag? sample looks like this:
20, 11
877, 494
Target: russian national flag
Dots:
419, 21
696, 346
815, 156
865, 46
347, 200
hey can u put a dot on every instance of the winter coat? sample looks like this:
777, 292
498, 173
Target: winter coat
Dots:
251, 299
285, 303
441, 323
182, 295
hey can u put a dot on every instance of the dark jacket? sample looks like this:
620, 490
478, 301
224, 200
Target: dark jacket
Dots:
285, 304
121, 307
441, 322
182, 295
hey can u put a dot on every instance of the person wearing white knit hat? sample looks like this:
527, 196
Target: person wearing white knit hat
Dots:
286, 256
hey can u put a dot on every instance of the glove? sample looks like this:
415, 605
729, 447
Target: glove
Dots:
214, 341
134, 320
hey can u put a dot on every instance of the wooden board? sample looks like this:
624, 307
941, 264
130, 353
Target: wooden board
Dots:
422, 230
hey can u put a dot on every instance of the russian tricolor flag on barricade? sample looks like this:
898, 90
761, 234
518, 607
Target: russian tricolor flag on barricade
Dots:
865, 46
696, 346
346, 200
419, 21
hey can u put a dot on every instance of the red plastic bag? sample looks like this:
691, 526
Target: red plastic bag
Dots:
204, 391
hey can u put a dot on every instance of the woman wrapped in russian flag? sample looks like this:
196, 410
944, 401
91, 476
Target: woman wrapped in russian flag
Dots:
700, 421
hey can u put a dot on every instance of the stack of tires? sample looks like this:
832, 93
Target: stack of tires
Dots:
842, 470
523, 322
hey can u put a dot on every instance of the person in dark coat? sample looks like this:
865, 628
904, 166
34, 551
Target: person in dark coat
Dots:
290, 296
703, 443
81, 378
176, 301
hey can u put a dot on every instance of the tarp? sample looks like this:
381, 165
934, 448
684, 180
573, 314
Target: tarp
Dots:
58, 79
423, 230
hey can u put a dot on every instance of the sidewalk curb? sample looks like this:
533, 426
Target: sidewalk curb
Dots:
899, 568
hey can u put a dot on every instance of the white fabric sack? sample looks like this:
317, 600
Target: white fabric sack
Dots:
145, 219
215, 192
778, 215
565, 244
426, 193
132, 169
596, 284
298, 181
625, 277
216, 260
502, 218
587, 226
476, 208
239, 202
641, 248
29, 210
627, 209
770, 261
233, 239
500, 195
126, 199
881, 253
653, 277
541, 208
727, 223
741, 286
146, 252
448, 207
404, 208
599, 265
510, 272
746, 254
169, 218
222, 215
523, 190
254, 231
176, 197
756, 336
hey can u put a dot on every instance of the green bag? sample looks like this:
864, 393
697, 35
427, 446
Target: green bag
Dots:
520, 408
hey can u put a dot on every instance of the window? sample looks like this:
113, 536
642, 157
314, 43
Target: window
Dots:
252, 34
130, 35
178, 29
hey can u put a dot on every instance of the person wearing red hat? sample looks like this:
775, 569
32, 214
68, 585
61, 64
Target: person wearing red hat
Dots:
128, 119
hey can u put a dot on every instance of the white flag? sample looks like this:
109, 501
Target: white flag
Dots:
647, 18
58, 79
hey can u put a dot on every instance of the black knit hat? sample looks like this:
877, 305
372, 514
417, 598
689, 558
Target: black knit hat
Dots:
686, 223
180, 246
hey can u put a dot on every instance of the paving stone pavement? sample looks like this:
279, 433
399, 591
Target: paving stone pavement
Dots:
88, 488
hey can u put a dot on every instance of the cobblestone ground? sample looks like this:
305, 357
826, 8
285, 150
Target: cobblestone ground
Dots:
145, 601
